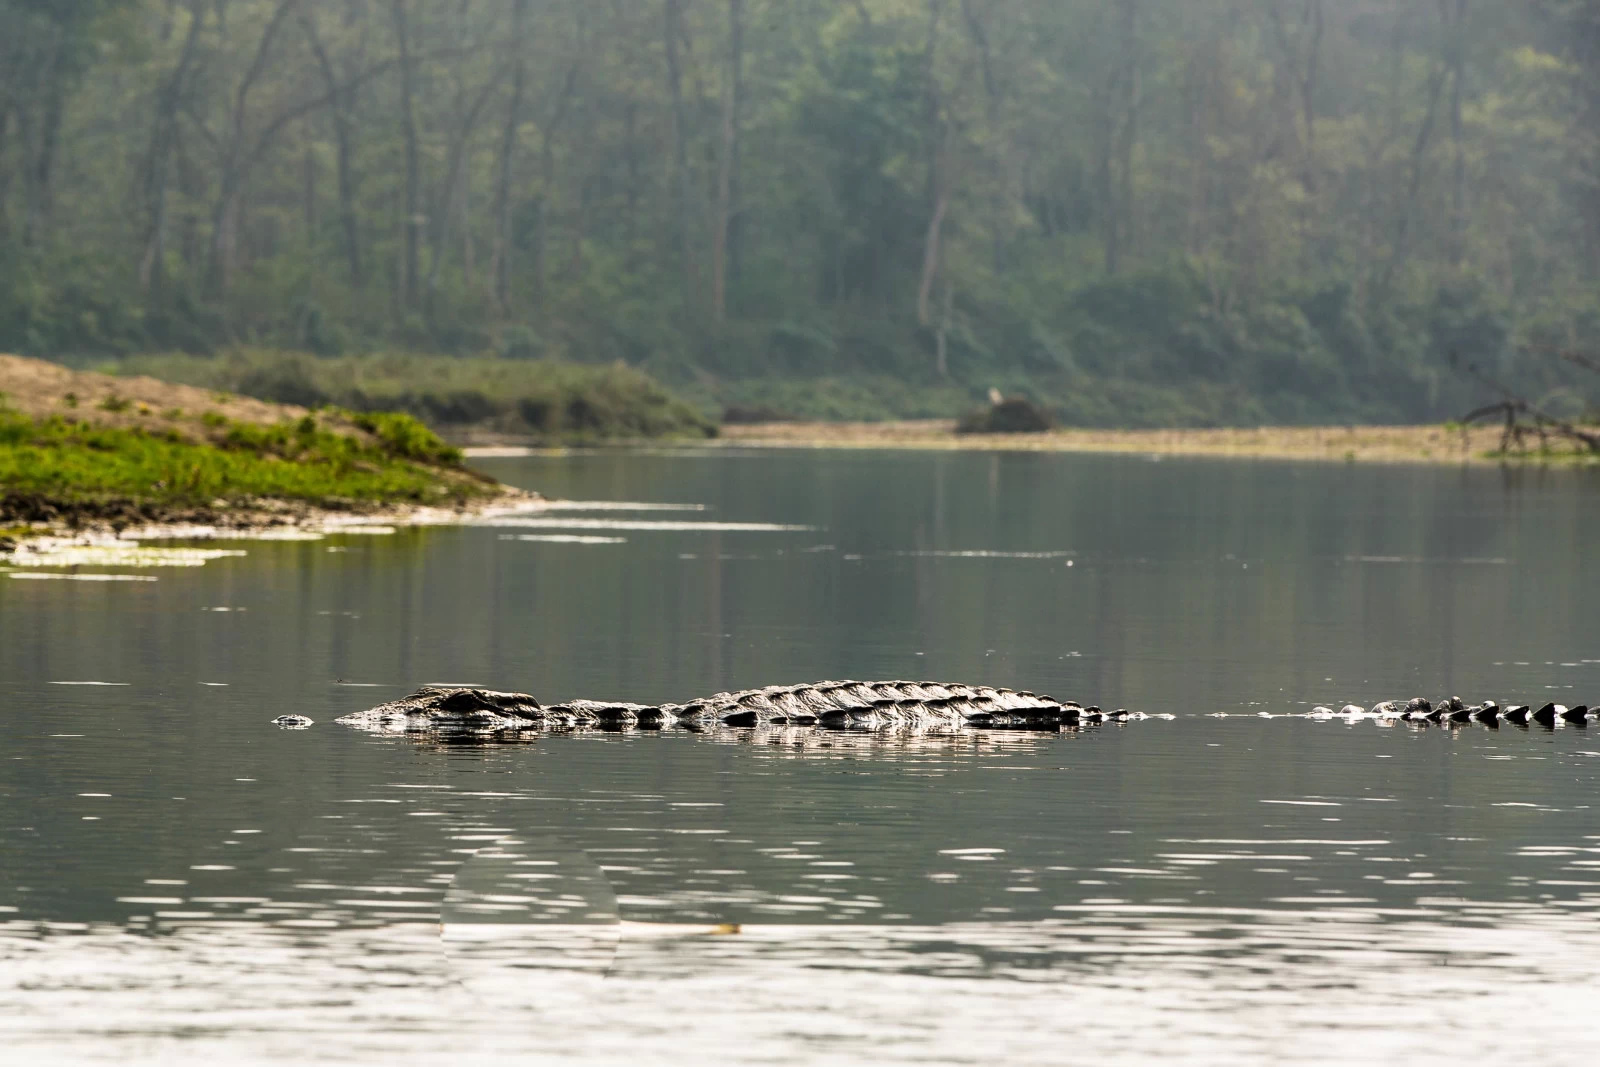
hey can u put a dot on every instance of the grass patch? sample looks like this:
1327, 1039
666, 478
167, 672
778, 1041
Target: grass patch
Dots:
404, 437
543, 399
71, 461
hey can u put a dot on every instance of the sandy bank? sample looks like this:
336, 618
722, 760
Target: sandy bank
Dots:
1363, 444
39, 389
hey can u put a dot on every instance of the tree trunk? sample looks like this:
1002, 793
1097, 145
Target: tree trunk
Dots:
36, 219
938, 135
309, 194
735, 150
224, 232
630, 128
980, 40
410, 264
930, 247
1119, 135
941, 339
501, 260
469, 255
237, 156
343, 129
580, 231
719, 232
1005, 147
547, 174
1308, 91
1109, 229
932, 117
452, 197
158, 165
673, 30
1418, 166
727, 162
1199, 82
5, 173
1132, 102
1458, 184
1302, 69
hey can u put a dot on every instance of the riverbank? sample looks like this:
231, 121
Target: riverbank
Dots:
1344, 444
471, 400
83, 452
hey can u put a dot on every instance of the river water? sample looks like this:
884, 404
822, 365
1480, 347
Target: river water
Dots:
182, 882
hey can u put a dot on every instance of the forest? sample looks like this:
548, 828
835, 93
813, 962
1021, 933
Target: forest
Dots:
1133, 211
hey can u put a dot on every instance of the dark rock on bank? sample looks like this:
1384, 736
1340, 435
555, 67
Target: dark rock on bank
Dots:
1013, 414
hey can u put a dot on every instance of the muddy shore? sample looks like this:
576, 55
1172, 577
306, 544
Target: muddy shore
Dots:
41, 519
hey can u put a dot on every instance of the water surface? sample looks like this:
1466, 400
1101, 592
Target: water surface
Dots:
181, 881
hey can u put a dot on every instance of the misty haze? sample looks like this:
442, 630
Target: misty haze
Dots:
972, 532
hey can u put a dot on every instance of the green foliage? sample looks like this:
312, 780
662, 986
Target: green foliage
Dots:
68, 460
1205, 209
551, 400
836, 398
520, 342
403, 436
1011, 415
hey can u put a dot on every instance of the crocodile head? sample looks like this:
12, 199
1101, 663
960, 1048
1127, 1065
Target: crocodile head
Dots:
436, 707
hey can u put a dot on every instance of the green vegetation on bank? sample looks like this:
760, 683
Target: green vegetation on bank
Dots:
61, 464
537, 398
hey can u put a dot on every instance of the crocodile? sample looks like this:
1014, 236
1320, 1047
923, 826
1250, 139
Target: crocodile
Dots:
1454, 711
827, 705
849, 705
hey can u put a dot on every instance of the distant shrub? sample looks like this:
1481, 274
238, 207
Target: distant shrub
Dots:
538, 397
738, 414
319, 334
405, 437
1012, 415
520, 342
537, 413
458, 407
801, 348
857, 398
285, 381
115, 404
584, 415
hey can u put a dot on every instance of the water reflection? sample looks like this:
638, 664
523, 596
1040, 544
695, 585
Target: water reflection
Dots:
182, 881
